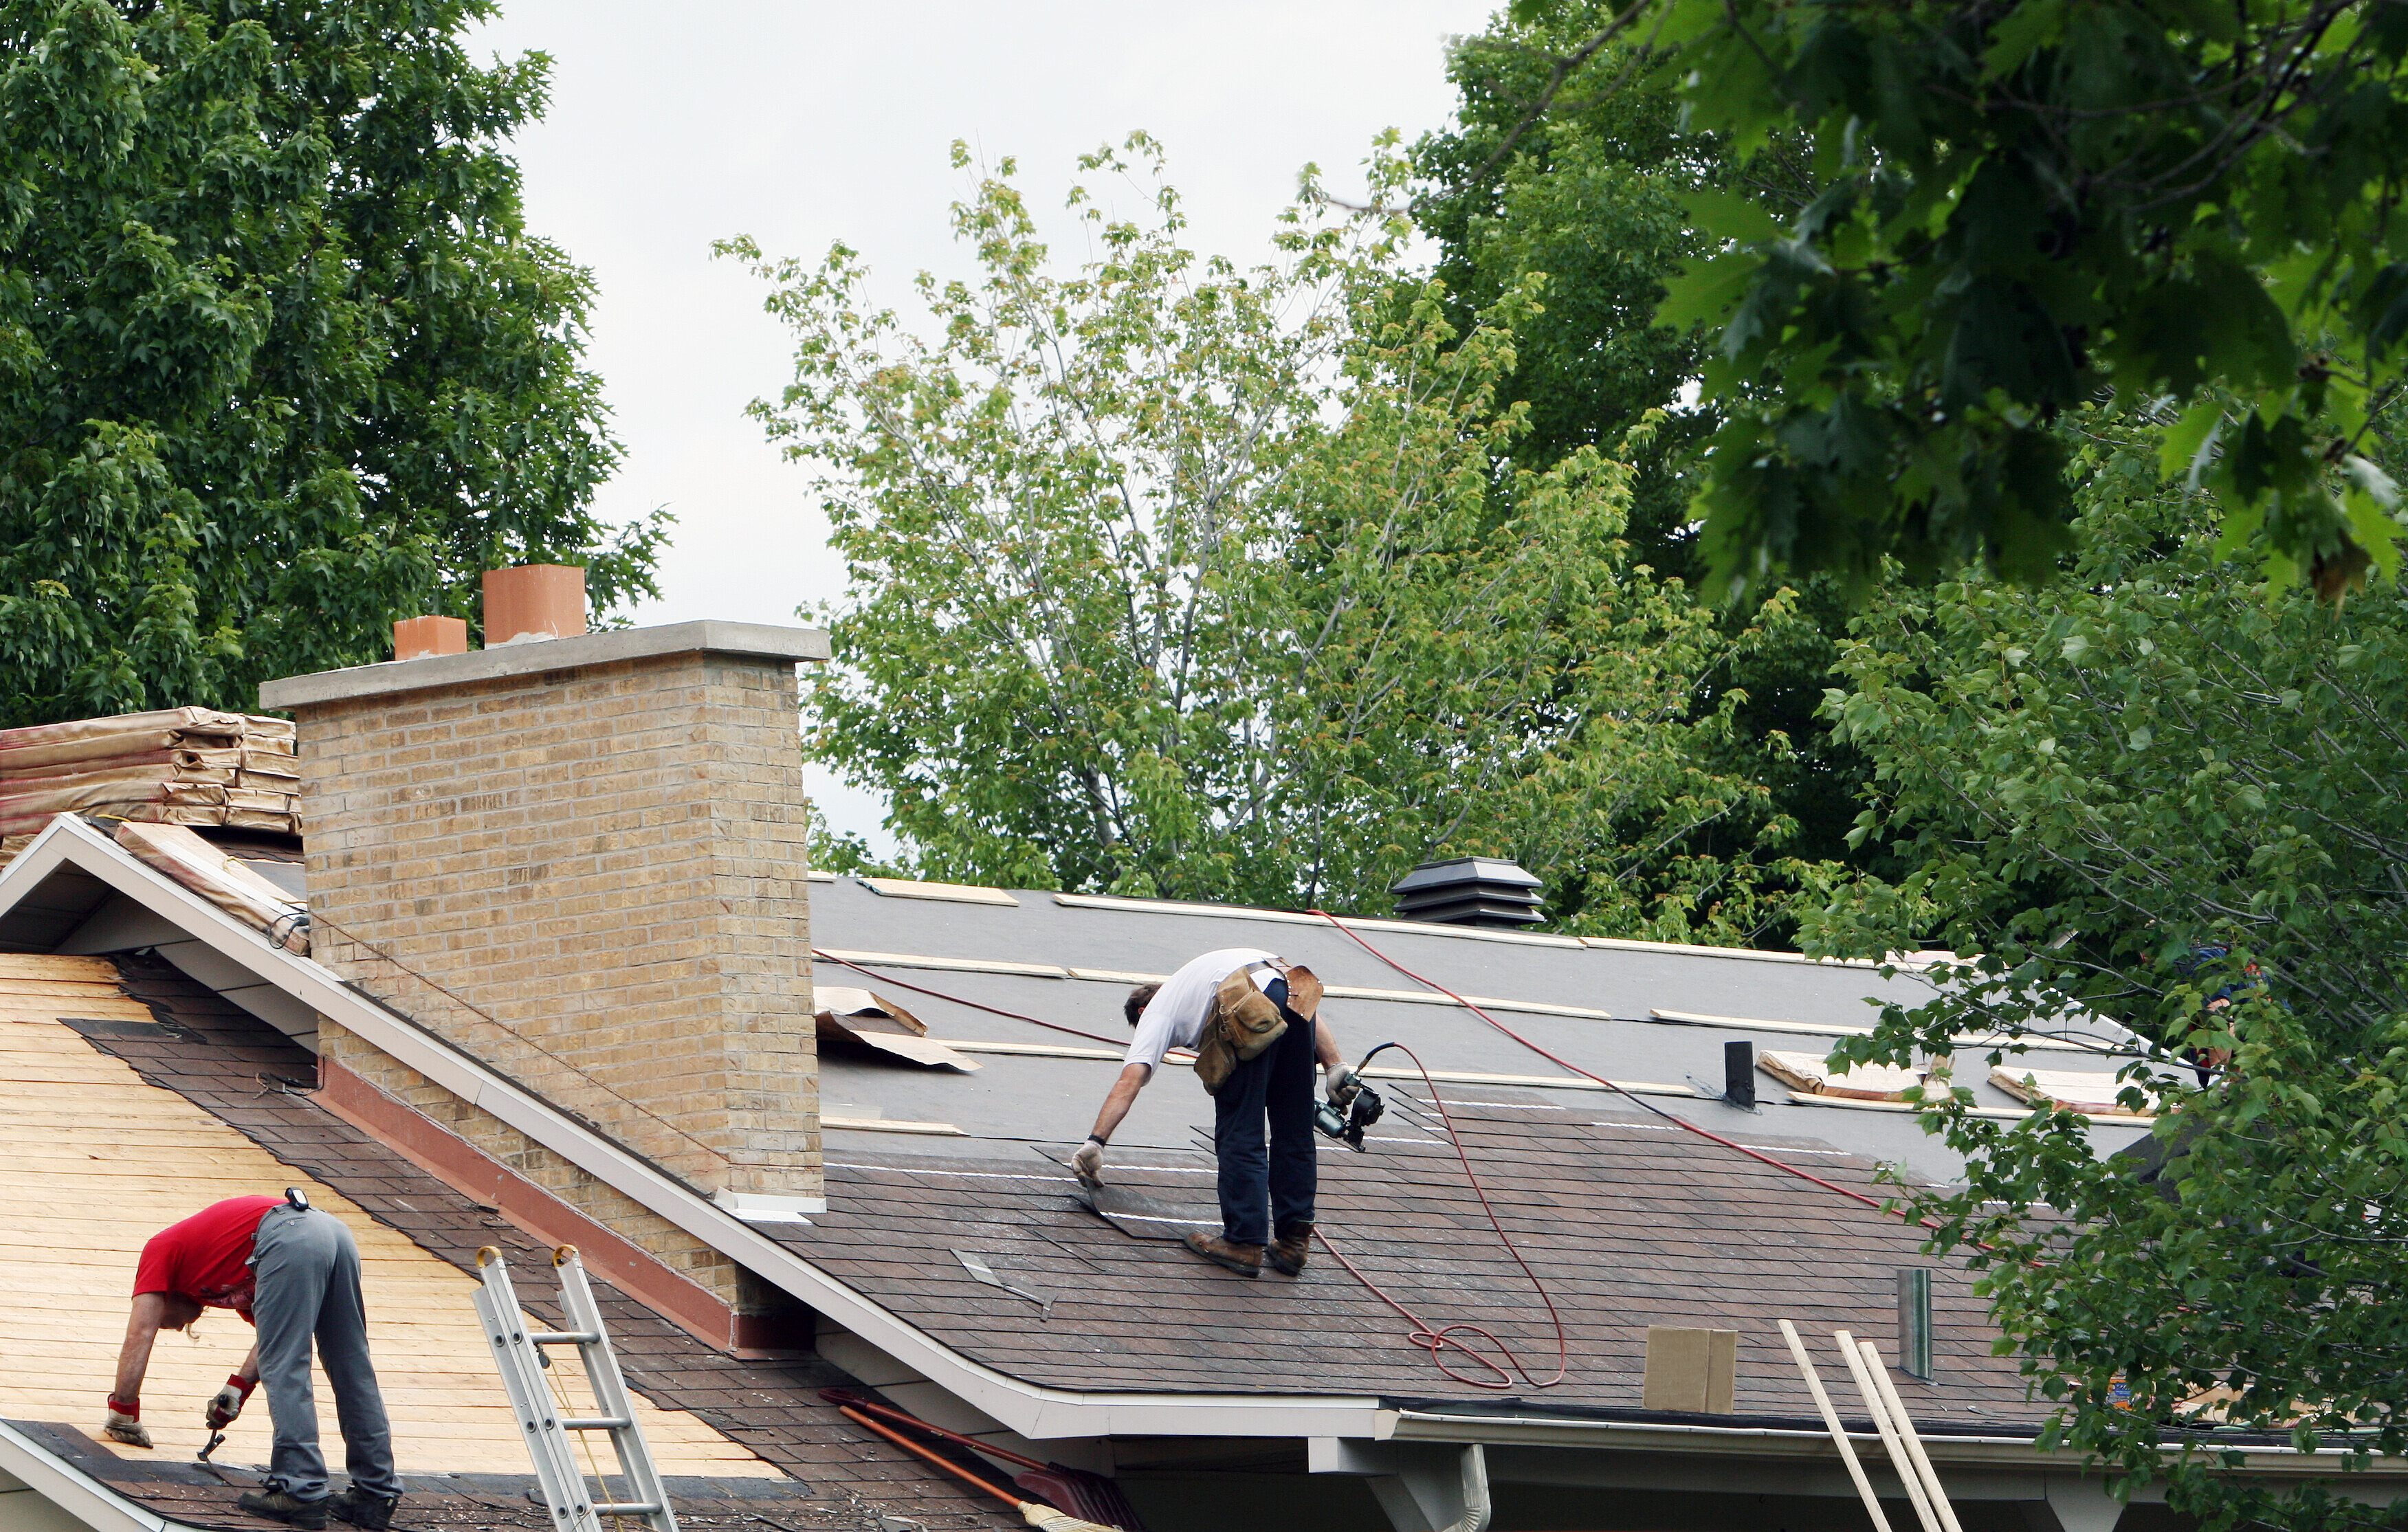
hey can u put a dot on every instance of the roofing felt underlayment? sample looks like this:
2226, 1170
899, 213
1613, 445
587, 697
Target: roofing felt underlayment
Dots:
1650, 1015
130, 1097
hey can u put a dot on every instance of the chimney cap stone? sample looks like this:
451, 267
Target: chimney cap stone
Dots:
757, 639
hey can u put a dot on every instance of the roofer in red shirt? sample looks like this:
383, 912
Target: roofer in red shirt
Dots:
294, 1273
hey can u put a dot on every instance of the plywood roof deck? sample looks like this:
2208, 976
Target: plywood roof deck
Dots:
97, 1161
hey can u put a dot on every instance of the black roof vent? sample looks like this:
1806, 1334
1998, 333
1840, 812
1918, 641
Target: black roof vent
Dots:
1469, 891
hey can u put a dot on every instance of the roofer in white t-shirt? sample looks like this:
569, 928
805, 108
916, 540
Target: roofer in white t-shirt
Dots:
1251, 1016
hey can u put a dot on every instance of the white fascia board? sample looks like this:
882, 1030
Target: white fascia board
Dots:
1776, 1442
72, 1490
1035, 1412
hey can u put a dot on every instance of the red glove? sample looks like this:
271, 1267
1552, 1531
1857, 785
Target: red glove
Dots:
227, 1402
124, 1423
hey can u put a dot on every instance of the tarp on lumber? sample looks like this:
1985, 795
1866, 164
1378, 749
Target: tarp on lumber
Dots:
2094, 1094
211, 873
1808, 1074
96, 739
179, 765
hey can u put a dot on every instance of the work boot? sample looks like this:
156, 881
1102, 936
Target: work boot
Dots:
1245, 1260
1287, 1252
276, 1506
369, 1512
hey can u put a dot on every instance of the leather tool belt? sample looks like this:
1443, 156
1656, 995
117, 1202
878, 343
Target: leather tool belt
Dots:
1244, 1021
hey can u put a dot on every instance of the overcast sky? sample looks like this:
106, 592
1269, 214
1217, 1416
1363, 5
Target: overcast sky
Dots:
801, 122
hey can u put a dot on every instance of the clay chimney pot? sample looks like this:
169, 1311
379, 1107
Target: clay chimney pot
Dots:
416, 638
534, 601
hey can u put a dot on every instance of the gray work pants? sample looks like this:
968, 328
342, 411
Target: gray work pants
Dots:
308, 1273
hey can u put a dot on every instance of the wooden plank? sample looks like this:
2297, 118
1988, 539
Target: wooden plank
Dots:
25, 1008
64, 989
36, 966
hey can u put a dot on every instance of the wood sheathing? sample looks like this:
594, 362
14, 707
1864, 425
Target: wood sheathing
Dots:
100, 1161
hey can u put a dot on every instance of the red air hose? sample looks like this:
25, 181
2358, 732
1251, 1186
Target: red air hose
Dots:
1434, 1340
1438, 1339
1564, 1063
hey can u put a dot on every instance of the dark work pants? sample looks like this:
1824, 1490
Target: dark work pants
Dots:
307, 1271
1275, 1085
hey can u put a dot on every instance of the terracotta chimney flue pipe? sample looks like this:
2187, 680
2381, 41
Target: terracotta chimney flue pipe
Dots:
534, 601
416, 638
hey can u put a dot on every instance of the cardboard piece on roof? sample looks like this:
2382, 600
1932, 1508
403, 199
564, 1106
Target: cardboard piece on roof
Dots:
856, 1015
1807, 1073
2094, 1094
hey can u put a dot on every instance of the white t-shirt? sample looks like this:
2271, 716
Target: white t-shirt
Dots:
1174, 1018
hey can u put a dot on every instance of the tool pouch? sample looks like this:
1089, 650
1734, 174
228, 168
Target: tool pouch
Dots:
1243, 1023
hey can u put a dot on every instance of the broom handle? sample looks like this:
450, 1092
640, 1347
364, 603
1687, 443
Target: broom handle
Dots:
958, 1439
945, 1462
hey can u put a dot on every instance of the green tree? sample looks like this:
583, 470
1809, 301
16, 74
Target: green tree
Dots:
2022, 206
1591, 201
279, 361
2149, 792
1174, 580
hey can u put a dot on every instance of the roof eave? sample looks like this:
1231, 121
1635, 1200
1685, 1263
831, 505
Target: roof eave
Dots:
1774, 1442
75, 1493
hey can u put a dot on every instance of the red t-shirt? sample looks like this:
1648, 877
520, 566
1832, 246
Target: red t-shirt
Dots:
207, 1257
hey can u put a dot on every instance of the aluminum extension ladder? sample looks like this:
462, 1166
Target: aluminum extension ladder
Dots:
518, 1355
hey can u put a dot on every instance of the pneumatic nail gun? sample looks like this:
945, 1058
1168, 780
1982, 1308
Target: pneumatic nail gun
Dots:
1347, 1124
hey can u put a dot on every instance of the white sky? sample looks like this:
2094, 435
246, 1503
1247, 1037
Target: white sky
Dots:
801, 123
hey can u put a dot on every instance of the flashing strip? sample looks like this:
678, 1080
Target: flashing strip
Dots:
1780, 1441
1752, 954
905, 888
2003, 1114
1297, 917
950, 965
1036, 1411
1962, 1040
1450, 1077
87, 1499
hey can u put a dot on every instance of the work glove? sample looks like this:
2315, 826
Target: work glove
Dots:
1341, 1084
1087, 1163
124, 1423
227, 1402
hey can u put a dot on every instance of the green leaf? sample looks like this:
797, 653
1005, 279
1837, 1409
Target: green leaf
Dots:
1708, 290
1728, 216
2189, 443
2029, 27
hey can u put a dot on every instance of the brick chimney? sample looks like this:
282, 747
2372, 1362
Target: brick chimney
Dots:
597, 841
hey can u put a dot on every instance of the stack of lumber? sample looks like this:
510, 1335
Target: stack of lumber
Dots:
180, 765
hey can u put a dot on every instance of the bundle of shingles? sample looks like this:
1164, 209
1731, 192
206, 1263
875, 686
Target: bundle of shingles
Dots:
180, 765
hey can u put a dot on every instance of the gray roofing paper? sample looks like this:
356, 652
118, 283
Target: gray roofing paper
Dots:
1052, 1100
